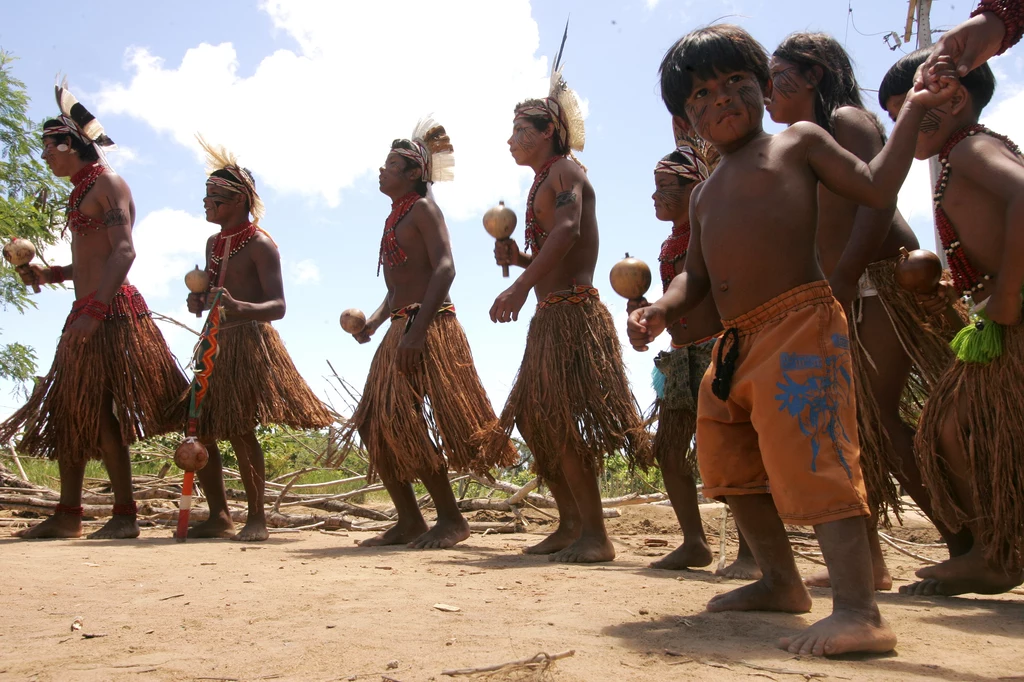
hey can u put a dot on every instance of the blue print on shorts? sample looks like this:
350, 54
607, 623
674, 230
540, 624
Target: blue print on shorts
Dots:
813, 397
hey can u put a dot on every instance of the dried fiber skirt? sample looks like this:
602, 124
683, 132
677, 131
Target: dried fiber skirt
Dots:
255, 382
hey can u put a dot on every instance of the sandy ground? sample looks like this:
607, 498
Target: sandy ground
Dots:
312, 606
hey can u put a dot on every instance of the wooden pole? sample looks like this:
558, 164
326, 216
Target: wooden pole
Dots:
924, 39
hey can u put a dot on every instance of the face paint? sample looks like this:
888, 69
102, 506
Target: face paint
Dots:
784, 82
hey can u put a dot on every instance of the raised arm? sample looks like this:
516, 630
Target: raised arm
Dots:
877, 183
994, 26
856, 132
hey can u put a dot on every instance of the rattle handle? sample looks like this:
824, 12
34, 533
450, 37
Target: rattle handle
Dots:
25, 268
504, 271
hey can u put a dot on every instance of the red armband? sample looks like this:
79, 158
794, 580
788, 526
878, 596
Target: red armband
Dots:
96, 309
56, 274
1011, 13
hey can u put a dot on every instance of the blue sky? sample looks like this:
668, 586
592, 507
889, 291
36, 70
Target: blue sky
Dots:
310, 94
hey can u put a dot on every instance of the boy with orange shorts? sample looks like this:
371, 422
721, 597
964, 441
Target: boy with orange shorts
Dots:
776, 415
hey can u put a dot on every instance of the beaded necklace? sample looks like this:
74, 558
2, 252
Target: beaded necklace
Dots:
534, 232
672, 249
83, 181
389, 247
240, 236
966, 277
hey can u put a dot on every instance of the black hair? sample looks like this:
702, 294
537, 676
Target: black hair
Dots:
421, 184
722, 48
225, 174
86, 152
980, 83
836, 85
541, 123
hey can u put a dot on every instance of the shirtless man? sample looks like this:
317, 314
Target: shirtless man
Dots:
776, 413
890, 331
423, 400
84, 408
571, 400
253, 379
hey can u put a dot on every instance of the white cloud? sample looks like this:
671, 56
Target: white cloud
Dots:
122, 156
304, 272
168, 243
651, 4
311, 122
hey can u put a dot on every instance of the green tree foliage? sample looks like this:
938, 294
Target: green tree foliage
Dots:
31, 205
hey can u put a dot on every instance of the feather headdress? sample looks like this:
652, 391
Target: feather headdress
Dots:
241, 180
76, 120
432, 151
562, 105
707, 152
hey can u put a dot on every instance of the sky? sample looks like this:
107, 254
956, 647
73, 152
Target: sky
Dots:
310, 93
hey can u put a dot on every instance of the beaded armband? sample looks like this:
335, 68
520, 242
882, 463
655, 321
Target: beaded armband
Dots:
96, 309
57, 274
1011, 13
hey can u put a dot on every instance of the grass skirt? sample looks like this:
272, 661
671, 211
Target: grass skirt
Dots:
990, 430
125, 367
675, 409
425, 422
926, 341
255, 382
571, 393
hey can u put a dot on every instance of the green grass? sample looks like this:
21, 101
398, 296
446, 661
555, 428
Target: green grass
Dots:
287, 451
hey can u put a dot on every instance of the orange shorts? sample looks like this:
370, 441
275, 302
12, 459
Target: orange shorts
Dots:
788, 425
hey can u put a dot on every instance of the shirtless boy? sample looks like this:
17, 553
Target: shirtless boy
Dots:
253, 381
776, 413
813, 81
423, 399
678, 372
113, 379
971, 439
571, 400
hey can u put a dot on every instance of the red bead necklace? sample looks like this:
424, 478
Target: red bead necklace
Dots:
240, 236
672, 249
534, 232
966, 277
389, 247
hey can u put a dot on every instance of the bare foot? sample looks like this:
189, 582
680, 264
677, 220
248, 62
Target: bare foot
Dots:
57, 526
563, 536
687, 555
843, 632
759, 596
443, 535
883, 581
960, 575
586, 550
400, 534
254, 530
744, 568
117, 528
219, 526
